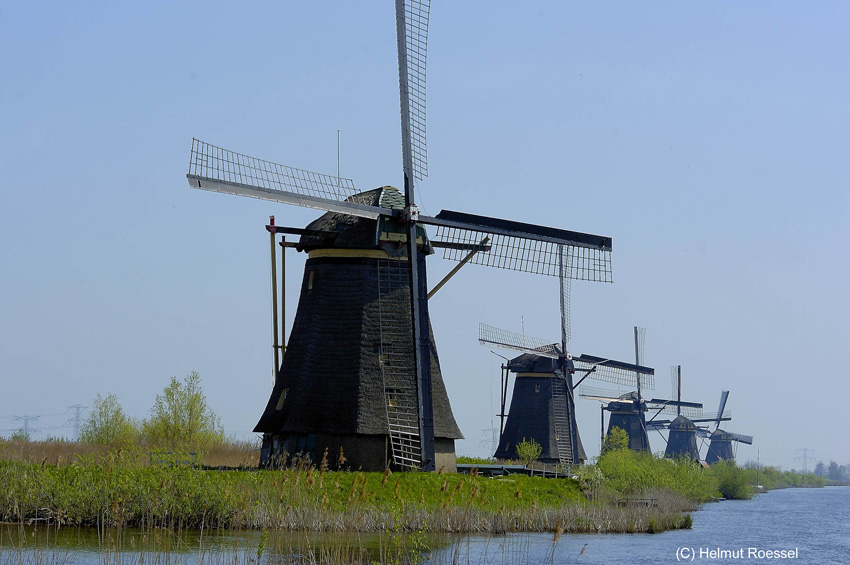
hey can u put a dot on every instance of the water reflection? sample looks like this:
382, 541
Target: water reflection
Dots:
814, 520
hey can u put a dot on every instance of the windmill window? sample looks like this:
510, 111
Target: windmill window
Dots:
307, 446
537, 387
310, 281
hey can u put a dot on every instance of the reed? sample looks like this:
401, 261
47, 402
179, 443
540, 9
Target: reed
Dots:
229, 454
122, 490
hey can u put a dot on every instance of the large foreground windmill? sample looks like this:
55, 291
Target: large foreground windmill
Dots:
361, 372
720, 441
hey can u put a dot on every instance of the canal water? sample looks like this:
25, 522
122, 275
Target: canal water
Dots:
796, 525
815, 523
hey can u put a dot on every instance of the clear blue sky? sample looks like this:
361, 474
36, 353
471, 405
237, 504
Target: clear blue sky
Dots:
710, 140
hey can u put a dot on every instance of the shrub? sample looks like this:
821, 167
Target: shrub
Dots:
632, 473
107, 424
180, 417
731, 481
616, 440
528, 451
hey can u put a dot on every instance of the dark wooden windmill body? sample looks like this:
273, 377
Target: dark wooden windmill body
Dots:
720, 447
344, 383
628, 413
539, 411
682, 439
363, 310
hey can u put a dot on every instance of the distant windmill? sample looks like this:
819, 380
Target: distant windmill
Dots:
720, 446
628, 411
682, 430
361, 371
542, 404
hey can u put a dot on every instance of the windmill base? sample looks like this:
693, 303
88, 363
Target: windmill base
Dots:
359, 452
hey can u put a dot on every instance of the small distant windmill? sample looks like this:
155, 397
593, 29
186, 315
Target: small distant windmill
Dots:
682, 430
720, 441
357, 373
628, 411
542, 404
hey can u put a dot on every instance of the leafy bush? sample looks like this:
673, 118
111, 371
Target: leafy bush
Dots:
107, 423
731, 481
180, 417
528, 451
632, 473
616, 440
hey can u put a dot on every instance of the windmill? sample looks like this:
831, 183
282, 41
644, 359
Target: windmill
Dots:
542, 404
682, 430
372, 246
720, 441
628, 411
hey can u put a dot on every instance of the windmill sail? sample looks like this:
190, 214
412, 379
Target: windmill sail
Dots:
512, 245
616, 372
412, 35
524, 247
221, 170
491, 335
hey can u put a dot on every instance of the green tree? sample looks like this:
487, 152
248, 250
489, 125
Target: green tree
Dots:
181, 418
528, 451
616, 440
107, 423
836, 472
20, 435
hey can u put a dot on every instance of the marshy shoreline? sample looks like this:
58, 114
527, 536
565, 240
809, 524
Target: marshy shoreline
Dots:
123, 494
623, 492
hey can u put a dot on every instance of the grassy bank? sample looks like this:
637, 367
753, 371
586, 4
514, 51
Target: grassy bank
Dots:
772, 478
122, 490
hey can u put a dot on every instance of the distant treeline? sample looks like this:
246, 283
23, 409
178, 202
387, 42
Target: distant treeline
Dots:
834, 472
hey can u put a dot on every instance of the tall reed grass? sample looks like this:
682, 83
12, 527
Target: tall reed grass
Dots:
121, 490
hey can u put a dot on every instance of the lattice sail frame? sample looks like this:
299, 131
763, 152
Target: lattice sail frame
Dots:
492, 335
689, 412
529, 255
615, 375
210, 161
412, 85
222, 170
566, 293
588, 391
640, 340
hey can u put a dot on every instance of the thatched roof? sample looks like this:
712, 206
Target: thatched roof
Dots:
343, 231
532, 363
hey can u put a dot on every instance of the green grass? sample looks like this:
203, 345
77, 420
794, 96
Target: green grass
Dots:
121, 492
122, 489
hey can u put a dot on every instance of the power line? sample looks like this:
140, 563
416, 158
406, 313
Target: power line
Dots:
26, 420
804, 457
76, 419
